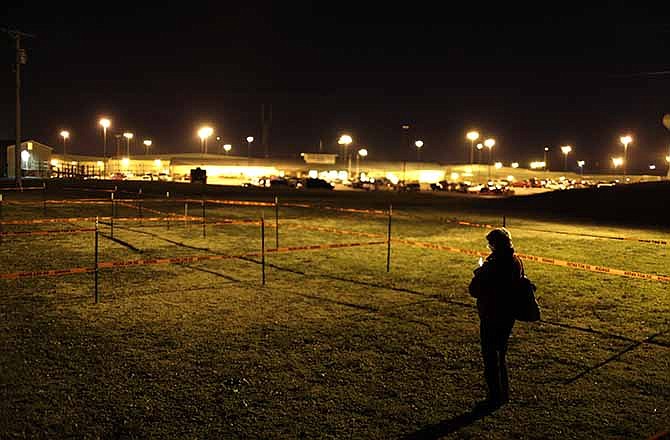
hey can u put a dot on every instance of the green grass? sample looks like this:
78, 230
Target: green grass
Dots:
332, 346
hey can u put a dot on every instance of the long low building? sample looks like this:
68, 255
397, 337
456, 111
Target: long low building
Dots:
39, 160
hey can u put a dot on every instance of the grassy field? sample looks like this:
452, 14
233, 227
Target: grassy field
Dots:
332, 346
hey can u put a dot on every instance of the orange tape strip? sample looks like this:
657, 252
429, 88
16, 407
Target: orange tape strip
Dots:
49, 232
544, 260
176, 260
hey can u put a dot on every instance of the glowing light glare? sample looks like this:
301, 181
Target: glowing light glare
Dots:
515, 164
472, 135
430, 176
362, 152
100, 164
158, 163
342, 175
128, 135
537, 164
147, 143
227, 147
667, 159
617, 161
652, 167
105, 123
54, 162
625, 140
65, 134
125, 162
205, 132
581, 163
313, 174
546, 148
498, 165
250, 139
345, 139
393, 178
418, 144
455, 176
480, 146
566, 149
25, 155
510, 178
489, 143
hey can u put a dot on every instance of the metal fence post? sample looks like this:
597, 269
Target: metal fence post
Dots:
277, 222
97, 297
0, 217
139, 205
263, 247
186, 215
504, 221
111, 222
167, 212
44, 199
388, 249
203, 218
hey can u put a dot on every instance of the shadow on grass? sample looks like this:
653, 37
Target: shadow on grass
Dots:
445, 427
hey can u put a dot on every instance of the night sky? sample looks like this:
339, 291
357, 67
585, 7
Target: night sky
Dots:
528, 78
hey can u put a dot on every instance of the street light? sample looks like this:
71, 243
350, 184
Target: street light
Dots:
566, 149
65, 135
418, 144
105, 123
361, 153
250, 139
147, 143
472, 136
479, 152
625, 140
203, 134
546, 162
345, 140
489, 143
128, 137
580, 164
515, 164
227, 148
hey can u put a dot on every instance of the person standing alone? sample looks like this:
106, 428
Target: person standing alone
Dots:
493, 286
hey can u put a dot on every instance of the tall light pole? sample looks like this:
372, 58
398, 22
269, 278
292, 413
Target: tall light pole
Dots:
227, 148
566, 149
480, 146
203, 134
345, 140
65, 135
104, 123
489, 143
147, 144
361, 153
546, 158
418, 145
625, 140
129, 136
250, 139
472, 136
580, 164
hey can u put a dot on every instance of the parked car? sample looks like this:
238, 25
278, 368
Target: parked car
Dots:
409, 187
317, 184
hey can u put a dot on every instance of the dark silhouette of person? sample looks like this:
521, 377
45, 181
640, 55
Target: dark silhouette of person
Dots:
492, 285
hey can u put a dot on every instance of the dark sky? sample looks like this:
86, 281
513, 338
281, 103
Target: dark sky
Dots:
528, 77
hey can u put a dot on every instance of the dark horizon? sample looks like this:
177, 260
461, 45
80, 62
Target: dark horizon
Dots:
581, 78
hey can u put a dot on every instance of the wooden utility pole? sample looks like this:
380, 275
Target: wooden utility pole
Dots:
21, 58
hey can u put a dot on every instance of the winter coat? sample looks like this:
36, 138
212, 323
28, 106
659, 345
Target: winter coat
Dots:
493, 285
